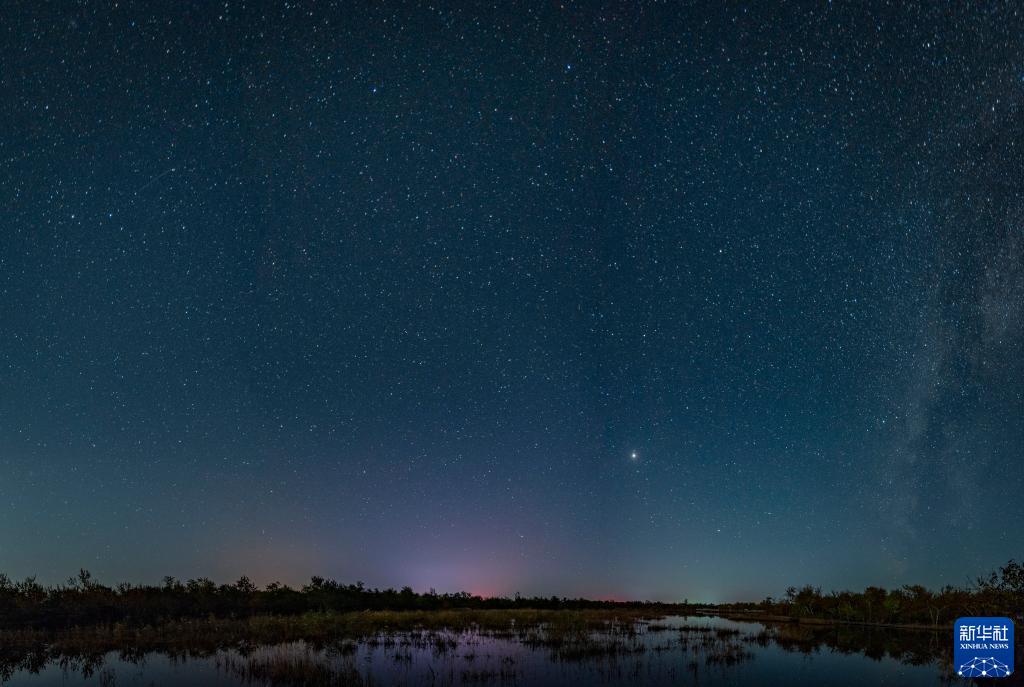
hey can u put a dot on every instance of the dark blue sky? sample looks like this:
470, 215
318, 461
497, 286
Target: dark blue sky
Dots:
658, 300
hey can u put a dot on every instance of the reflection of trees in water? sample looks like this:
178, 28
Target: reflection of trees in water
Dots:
906, 646
911, 647
615, 651
36, 659
87, 661
612, 652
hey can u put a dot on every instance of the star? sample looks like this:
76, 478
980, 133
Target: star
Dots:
390, 293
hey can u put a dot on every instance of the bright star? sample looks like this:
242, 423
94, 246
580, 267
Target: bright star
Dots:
633, 455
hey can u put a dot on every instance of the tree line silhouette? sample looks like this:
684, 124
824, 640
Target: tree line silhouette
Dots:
85, 601
1000, 593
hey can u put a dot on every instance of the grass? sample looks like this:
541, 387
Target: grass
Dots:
467, 646
566, 635
284, 668
340, 631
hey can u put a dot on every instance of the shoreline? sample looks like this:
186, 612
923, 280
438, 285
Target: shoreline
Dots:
754, 616
353, 624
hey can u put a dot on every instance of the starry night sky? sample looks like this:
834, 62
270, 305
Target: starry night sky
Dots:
656, 300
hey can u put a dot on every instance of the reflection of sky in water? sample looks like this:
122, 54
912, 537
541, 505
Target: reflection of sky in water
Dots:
534, 666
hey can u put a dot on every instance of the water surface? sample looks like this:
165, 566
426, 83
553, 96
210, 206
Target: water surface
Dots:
669, 651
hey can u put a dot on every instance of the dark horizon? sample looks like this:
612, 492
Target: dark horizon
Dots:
84, 600
73, 581
656, 302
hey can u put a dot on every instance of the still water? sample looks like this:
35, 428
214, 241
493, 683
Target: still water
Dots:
669, 651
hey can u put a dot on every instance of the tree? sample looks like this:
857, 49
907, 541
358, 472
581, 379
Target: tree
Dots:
874, 600
245, 585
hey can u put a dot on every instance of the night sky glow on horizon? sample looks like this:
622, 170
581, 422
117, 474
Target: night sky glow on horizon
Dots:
625, 301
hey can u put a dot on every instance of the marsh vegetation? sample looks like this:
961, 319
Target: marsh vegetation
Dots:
331, 634
322, 605
473, 647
